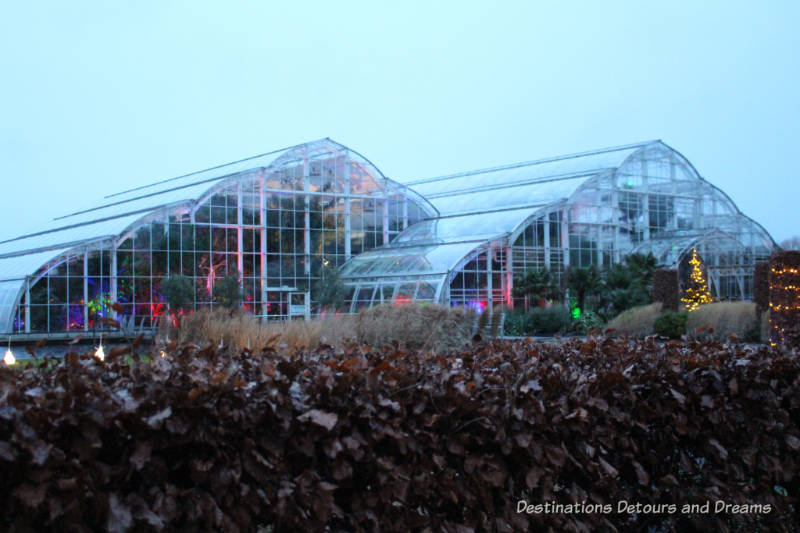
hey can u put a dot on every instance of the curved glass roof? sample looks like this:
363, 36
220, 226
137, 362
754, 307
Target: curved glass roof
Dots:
466, 211
726, 233
479, 206
13, 272
491, 204
116, 212
541, 181
110, 219
407, 261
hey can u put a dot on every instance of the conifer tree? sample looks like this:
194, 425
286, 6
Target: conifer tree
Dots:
696, 293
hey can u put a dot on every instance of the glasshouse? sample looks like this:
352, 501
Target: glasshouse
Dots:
280, 224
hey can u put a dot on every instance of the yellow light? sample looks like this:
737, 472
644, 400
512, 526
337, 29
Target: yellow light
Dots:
100, 354
9, 359
163, 354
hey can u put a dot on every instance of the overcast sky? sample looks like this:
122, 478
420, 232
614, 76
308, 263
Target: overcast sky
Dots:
99, 97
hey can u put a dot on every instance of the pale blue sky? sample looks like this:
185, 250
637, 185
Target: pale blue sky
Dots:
99, 97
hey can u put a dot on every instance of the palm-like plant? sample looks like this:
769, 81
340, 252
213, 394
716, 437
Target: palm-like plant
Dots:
642, 267
535, 284
584, 282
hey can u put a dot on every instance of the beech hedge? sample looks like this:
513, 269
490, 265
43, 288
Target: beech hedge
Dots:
376, 438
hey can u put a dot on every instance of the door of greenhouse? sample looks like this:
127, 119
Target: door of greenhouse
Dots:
300, 305
286, 303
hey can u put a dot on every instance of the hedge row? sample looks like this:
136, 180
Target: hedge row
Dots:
383, 439
784, 297
666, 288
761, 287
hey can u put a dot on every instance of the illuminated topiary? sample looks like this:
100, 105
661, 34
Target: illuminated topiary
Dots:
784, 297
696, 293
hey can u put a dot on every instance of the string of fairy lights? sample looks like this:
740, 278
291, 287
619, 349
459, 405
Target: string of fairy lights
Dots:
697, 292
784, 303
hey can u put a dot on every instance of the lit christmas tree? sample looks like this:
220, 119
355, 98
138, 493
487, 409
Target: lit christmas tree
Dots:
696, 293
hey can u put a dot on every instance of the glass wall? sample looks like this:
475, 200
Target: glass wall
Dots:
274, 229
576, 211
456, 239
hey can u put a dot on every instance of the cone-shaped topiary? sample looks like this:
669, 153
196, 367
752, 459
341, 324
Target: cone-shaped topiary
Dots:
696, 293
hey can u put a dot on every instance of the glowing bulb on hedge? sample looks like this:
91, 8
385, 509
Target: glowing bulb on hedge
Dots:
100, 354
9, 359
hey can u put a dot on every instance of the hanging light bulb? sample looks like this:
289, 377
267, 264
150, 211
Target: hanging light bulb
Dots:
9, 359
163, 354
100, 354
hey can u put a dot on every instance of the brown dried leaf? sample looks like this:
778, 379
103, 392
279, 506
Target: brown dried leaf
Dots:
321, 418
141, 454
119, 519
723, 453
108, 322
31, 495
138, 340
678, 396
610, 470
118, 351
154, 420
641, 474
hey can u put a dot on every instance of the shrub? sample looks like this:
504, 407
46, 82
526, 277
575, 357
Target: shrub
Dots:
380, 439
494, 324
538, 321
761, 287
587, 322
764, 326
671, 325
535, 284
784, 292
515, 324
178, 291
414, 326
241, 330
666, 288
328, 289
627, 284
583, 282
725, 318
228, 291
546, 321
426, 327
637, 321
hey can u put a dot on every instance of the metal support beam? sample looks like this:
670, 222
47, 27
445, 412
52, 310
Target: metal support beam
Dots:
673, 222
347, 244
386, 221
306, 219
645, 201
27, 304
546, 242
113, 296
509, 278
239, 236
565, 237
489, 287
616, 214
86, 290
262, 210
